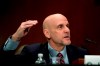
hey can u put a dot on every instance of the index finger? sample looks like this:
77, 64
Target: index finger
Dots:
33, 22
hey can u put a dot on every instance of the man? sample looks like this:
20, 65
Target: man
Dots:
56, 30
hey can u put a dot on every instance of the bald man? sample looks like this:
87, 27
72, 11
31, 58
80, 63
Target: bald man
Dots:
56, 30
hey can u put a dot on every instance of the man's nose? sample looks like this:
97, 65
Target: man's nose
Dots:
67, 29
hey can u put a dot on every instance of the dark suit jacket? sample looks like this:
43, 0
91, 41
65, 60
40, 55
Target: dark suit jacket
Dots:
30, 52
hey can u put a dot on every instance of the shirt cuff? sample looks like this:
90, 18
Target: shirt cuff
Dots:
10, 44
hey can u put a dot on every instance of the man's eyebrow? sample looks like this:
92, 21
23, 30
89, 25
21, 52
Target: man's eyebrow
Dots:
60, 25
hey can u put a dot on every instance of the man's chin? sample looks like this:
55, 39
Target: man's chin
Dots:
67, 43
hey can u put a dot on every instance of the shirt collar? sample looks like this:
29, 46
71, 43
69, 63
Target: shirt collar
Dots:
54, 53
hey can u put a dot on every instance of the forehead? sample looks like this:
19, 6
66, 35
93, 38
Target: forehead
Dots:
54, 20
60, 20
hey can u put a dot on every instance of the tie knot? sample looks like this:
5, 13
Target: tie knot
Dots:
60, 55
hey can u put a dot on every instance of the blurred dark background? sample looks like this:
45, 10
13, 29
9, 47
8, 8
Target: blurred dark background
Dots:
83, 16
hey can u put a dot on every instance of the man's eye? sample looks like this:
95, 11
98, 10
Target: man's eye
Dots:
60, 26
67, 25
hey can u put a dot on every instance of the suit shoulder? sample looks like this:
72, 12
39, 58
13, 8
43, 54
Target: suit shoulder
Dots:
80, 50
75, 47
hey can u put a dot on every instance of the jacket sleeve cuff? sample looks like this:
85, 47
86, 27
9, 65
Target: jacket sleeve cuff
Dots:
10, 44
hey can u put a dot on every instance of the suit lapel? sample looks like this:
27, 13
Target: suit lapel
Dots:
72, 54
69, 53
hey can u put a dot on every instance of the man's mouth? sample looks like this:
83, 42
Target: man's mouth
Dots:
67, 37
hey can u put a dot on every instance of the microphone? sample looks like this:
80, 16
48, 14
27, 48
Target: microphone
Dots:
89, 41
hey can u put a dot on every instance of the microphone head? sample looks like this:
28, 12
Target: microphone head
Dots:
40, 55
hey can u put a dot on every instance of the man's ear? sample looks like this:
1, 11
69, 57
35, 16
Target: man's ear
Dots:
46, 33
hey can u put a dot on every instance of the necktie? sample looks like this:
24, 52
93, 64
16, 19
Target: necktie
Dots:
61, 58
